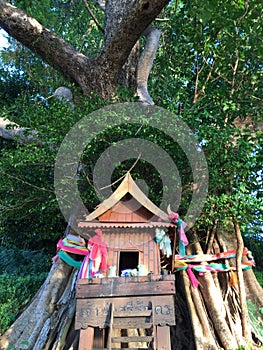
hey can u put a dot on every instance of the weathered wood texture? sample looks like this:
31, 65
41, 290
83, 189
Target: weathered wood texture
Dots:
128, 186
99, 338
117, 287
86, 338
96, 312
122, 280
133, 339
131, 297
126, 211
134, 240
163, 338
139, 319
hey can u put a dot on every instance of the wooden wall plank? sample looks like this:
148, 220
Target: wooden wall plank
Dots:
115, 289
121, 280
86, 339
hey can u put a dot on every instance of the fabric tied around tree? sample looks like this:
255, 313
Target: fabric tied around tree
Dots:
183, 241
191, 275
201, 266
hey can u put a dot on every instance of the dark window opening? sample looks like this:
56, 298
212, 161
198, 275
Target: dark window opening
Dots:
128, 260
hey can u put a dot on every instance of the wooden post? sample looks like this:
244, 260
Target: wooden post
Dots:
163, 338
86, 338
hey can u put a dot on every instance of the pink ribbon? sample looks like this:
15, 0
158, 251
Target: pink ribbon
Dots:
192, 277
182, 235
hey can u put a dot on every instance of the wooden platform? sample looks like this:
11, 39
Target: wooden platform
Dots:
95, 296
126, 303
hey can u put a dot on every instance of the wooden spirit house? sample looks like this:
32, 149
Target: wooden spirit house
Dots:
136, 306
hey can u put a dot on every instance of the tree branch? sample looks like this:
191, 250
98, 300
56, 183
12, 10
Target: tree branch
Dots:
129, 29
233, 82
198, 71
93, 16
46, 44
145, 64
16, 133
99, 75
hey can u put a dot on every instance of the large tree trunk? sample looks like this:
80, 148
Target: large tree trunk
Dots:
114, 12
41, 322
208, 316
99, 75
215, 306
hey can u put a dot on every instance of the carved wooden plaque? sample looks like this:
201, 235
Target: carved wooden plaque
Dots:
95, 312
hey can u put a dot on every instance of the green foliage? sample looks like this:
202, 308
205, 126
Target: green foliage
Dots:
109, 138
21, 275
28, 203
60, 16
208, 70
255, 315
255, 245
15, 293
215, 72
259, 273
33, 262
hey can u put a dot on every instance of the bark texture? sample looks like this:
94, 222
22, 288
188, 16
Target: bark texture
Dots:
114, 12
100, 74
209, 316
39, 326
217, 318
152, 36
13, 132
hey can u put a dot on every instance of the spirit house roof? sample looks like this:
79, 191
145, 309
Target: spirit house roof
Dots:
128, 206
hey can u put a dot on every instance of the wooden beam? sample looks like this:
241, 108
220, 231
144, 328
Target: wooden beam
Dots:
86, 339
163, 338
127, 289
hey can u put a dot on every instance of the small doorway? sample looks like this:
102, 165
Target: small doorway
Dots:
128, 260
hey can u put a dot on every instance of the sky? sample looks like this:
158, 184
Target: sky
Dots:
3, 40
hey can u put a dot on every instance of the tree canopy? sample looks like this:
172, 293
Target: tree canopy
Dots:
207, 71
